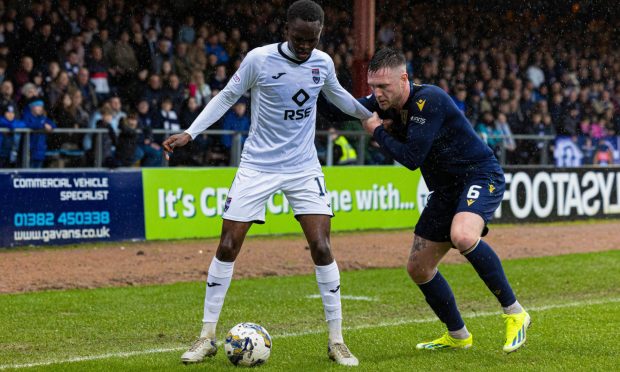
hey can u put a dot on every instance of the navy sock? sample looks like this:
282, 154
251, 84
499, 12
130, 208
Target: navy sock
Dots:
439, 296
489, 268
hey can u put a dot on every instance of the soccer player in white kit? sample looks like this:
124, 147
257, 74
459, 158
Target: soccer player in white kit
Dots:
285, 80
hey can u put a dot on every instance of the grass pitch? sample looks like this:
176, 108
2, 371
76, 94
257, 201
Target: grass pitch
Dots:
574, 302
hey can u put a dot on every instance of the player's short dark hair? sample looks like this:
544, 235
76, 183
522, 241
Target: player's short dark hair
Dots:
386, 58
306, 10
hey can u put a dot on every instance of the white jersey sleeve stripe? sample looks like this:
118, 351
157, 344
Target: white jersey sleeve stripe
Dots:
244, 79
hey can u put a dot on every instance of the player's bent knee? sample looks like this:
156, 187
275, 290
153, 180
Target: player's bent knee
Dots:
420, 273
464, 240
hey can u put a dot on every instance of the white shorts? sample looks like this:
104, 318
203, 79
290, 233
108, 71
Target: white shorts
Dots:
305, 192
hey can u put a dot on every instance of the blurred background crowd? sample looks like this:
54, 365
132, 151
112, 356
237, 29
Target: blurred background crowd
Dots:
547, 68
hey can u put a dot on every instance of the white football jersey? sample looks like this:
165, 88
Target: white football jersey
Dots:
284, 94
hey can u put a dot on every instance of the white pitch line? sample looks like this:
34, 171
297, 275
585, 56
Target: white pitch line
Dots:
347, 297
310, 332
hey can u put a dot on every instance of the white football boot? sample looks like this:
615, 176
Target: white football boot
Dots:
340, 353
202, 348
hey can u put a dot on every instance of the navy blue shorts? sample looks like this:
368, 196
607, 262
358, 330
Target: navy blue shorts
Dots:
480, 194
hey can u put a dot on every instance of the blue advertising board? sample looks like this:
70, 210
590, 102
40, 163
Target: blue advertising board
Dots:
39, 208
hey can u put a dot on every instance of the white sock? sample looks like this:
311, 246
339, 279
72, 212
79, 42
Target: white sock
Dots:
335, 331
513, 309
218, 281
328, 279
461, 334
208, 329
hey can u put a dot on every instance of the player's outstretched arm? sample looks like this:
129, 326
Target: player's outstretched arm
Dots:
334, 114
336, 94
242, 80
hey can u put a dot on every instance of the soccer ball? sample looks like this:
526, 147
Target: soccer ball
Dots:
247, 344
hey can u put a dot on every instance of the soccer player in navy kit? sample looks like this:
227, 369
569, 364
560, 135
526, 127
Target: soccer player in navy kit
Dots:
421, 127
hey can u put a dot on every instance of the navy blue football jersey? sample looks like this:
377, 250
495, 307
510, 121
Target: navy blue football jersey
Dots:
429, 133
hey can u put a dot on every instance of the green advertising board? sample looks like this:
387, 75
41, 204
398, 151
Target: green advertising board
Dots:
188, 202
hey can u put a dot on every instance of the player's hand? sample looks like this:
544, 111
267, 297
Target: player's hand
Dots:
372, 123
176, 140
387, 124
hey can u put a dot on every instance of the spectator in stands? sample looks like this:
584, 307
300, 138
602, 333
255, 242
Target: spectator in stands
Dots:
214, 47
28, 91
196, 55
167, 119
181, 63
484, 129
199, 89
52, 70
113, 107
141, 48
153, 92
108, 142
187, 33
344, 153
123, 57
45, 47
9, 142
502, 128
570, 122
99, 73
176, 91
102, 39
237, 120
7, 96
150, 153
127, 141
72, 64
219, 79
58, 87
166, 71
459, 99
24, 73
87, 89
162, 53
63, 117
543, 127
34, 117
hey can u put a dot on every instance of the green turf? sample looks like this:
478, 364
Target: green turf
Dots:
578, 334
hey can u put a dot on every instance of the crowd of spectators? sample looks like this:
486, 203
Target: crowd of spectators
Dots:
130, 67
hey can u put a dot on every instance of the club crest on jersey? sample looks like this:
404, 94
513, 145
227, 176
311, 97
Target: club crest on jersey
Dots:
316, 77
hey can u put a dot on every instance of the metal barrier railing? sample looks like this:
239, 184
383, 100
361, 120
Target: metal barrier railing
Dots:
360, 137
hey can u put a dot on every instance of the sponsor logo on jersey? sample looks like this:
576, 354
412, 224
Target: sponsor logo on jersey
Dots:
236, 78
299, 98
418, 120
279, 75
316, 76
421, 102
